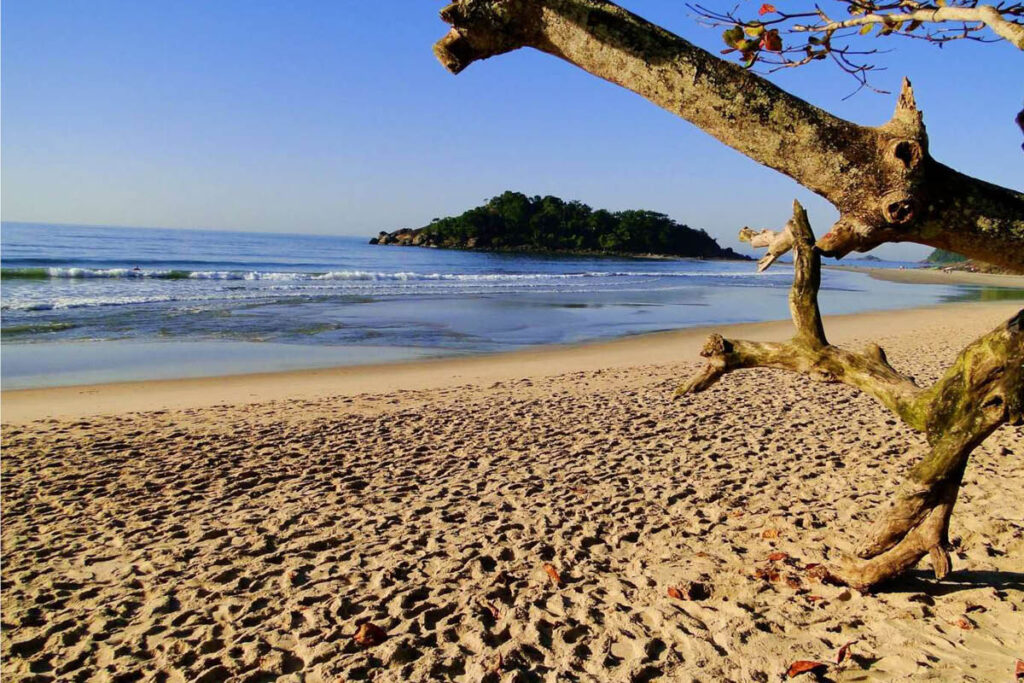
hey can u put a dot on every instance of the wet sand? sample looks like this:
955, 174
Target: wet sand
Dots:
245, 528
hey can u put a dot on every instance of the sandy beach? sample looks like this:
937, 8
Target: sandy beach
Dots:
512, 517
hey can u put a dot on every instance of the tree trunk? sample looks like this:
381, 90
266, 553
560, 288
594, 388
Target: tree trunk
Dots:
882, 180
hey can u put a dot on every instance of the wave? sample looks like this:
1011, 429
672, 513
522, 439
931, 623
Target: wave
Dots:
340, 275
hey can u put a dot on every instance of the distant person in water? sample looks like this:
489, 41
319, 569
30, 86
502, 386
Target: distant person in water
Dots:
136, 269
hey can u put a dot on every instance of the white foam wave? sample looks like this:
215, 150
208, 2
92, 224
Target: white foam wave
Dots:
363, 275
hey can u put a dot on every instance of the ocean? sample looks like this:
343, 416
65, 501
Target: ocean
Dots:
82, 304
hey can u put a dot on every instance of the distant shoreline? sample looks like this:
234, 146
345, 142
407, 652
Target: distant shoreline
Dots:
584, 253
930, 276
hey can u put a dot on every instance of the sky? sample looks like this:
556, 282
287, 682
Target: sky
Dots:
333, 117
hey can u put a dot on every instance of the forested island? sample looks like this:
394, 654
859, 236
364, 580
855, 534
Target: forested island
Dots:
942, 256
514, 222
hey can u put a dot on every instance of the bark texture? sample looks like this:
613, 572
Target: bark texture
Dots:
982, 390
882, 179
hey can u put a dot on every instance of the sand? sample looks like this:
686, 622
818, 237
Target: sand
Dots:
214, 538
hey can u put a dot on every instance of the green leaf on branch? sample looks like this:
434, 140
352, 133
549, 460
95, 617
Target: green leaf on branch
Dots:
733, 36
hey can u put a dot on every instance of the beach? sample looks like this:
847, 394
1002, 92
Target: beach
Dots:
516, 516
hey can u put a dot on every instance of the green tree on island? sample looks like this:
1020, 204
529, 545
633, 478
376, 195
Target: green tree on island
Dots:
513, 221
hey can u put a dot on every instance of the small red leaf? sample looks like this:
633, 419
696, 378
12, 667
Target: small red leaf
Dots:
803, 666
965, 623
843, 652
1020, 669
369, 635
553, 573
766, 9
772, 41
675, 593
778, 557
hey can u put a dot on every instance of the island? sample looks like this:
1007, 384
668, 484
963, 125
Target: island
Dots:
513, 221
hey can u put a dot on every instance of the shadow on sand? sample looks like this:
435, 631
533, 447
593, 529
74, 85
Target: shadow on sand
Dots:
923, 581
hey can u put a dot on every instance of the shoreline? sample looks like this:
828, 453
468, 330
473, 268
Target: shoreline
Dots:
656, 348
930, 276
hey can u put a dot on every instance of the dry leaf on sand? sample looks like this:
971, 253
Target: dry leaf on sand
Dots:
805, 666
369, 635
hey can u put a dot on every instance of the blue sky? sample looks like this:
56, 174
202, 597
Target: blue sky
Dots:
334, 117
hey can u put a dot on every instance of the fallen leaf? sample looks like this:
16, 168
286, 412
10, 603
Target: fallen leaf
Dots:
493, 610
1020, 669
803, 666
674, 592
793, 582
843, 651
965, 623
369, 635
817, 571
553, 573
778, 557
770, 533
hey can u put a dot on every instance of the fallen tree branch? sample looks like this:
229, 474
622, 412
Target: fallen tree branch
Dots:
809, 352
982, 390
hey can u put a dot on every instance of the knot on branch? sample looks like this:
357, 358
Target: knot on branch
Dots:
899, 208
904, 155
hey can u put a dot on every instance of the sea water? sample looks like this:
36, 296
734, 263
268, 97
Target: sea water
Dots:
88, 304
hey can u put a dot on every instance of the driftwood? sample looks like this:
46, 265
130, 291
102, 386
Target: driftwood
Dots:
887, 188
983, 389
